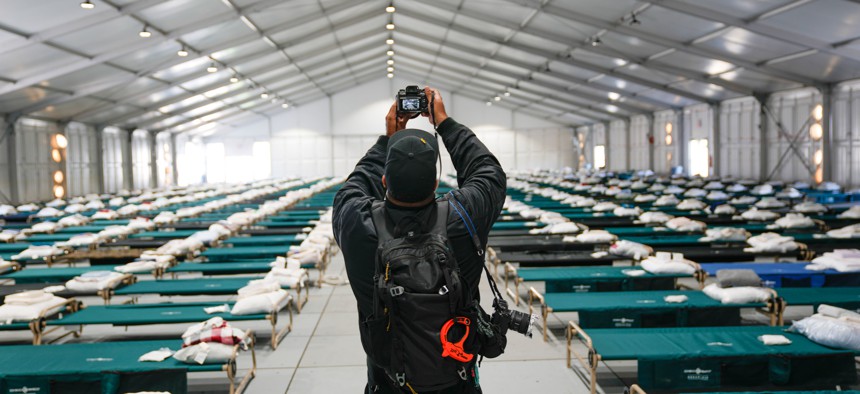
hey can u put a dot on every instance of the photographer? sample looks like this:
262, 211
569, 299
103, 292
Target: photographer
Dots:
401, 170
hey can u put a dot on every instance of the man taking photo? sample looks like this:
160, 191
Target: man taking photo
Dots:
414, 262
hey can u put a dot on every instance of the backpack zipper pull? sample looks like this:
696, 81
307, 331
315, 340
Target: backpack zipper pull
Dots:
387, 268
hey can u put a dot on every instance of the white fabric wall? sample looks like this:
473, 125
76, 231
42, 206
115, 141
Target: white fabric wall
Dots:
81, 160
666, 156
5, 196
35, 166
640, 147
617, 151
164, 158
112, 140
793, 111
846, 141
740, 139
328, 136
140, 158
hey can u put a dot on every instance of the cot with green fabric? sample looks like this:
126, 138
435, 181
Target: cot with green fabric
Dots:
843, 297
648, 309
166, 313
201, 286
300, 223
591, 279
175, 234
779, 275
264, 240
245, 252
52, 275
702, 357
106, 367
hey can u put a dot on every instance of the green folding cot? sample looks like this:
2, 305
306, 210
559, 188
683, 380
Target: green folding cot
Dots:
52, 275
591, 279
263, 240
176, 234
646, 309
106, 367
200, 286
245, 252
704, 357
166, 313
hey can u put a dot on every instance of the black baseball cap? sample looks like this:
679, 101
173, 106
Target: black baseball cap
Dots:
410, 167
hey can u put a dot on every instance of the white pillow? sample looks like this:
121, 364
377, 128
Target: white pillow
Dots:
683, 224
592, 236
256, 287
205, 353
269, 302
655, 217
93, 281
630, 249
830, 332
737, 295
658, 265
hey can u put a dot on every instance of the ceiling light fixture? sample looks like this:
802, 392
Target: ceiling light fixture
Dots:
234, 79
285, 106
87, 5
145, 33
389, 26
390, 69
264, 95
507, 93
390, 53
390, 9
389, 41
212, 68
489, 103
390, 62
497, 98
595, 42
390, 75
182, 52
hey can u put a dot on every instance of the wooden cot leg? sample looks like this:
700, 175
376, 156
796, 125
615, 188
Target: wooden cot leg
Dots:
593, 357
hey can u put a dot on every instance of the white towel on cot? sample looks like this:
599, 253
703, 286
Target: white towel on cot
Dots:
675, 299
773, 340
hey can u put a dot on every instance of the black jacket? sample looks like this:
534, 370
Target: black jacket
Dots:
481, 182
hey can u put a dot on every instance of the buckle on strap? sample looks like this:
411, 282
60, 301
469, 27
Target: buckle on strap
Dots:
462, 372
396, 291
401, 378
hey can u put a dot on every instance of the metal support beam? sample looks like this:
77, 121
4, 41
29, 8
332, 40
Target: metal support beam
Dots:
628, 126
11, 139
683, 142
153, 159
651, 138
606, 143
100, 158
763, 125
550, 55
716, 142
173, 158
127, 147
792, 144
828, 143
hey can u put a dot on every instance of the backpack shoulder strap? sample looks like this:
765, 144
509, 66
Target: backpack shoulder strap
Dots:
441, 225
380, 222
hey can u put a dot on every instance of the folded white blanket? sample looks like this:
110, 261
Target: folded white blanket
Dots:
691, 204
645, 198
842, 260
852, 231
743, 200
668, 263
851, 213
666, 200
7, 210
774, 340
725, 209
592, 236
725, 234
809, 207
49, 212
676, 299
10, 313
771, 243
654, 217
770, 202
630, 249
105, 214
717, 195
45, 227
622, 211
794, 220
755, 214
84, 239
604, 207
683, 224
73, 221
38, 252
30, 297
695, 192
94, 281
258, 287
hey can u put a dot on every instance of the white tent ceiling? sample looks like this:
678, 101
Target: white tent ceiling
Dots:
577, 62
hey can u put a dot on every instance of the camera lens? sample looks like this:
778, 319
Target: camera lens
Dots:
520, 322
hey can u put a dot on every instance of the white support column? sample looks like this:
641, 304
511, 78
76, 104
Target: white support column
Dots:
173, 155
827, 139
100, 158
763, 128
683, 142
128, 160
716, 142
153, 159
627, 145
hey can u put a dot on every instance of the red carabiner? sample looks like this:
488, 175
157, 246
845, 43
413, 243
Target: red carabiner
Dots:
455, 350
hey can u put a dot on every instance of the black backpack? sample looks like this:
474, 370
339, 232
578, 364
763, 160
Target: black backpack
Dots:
418, 296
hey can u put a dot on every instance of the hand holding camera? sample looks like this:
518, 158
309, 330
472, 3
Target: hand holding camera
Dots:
411, 102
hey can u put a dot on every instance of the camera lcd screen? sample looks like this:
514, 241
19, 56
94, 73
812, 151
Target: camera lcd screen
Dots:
410, 104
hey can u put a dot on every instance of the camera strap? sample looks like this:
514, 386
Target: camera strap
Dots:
473, 233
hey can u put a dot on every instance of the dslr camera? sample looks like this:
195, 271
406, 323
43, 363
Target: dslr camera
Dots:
411, 100
507, 319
